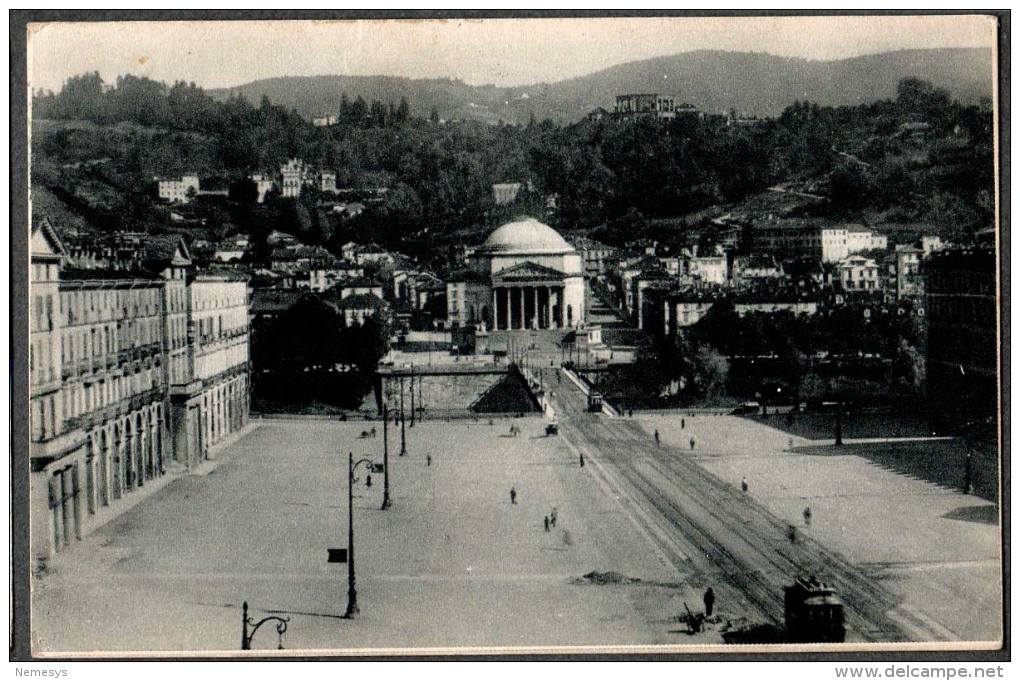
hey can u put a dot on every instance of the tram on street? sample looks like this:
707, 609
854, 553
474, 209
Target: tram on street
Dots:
814, 613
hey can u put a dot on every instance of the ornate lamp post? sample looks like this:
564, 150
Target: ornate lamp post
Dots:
352, 592
246, 635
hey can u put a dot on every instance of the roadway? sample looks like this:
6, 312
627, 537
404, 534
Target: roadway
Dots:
711, 527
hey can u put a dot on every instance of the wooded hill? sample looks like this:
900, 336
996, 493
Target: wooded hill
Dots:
96, 148
713, 81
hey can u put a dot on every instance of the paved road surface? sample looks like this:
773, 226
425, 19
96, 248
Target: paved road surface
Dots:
727, 536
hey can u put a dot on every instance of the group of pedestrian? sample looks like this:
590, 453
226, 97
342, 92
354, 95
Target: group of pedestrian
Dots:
550, 520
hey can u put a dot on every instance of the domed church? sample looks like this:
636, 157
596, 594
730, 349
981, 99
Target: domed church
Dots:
525, 276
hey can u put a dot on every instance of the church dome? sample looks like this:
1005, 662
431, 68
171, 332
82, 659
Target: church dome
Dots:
527, 235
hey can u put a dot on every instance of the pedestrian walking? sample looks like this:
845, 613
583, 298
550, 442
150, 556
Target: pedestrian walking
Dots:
513, 495
709, 599
552, 517
807, 515
692, 444
683, 424
656, 438
582, 460
547, 523
428, 459
743, 485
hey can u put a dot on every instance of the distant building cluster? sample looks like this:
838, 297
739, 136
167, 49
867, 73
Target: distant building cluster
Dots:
364, 281
664, 293
138, 364
289, 180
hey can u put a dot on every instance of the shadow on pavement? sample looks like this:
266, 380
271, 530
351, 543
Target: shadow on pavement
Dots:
760, 633
989, 515
942, 462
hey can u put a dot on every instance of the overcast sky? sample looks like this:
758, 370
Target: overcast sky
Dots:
503, 52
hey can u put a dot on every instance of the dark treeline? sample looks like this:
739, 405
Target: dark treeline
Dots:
869, 352
920, 157
311, 355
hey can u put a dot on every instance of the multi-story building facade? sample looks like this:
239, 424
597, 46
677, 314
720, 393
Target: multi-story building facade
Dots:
826, 243
108, 348
829, 244
909, 282
292, 178
327, 181
708, 270
645, 105
178, 190
857, 273
860, 239
214, 401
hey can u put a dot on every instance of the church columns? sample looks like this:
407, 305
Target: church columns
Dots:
548, 307
528, 307
523, 318
509, 310
536, 323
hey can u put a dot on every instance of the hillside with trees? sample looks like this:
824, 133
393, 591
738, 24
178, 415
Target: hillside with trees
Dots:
921, 157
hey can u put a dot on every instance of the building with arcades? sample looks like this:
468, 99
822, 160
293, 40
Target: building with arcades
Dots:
111, 350
211, 401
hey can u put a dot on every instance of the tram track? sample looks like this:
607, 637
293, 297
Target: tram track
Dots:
721, 534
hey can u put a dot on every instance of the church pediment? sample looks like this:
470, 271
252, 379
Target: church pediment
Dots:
526, 272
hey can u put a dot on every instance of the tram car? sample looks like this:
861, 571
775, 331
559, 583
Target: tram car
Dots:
814, 613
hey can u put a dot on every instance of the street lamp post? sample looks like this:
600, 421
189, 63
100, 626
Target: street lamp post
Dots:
386, 456
403, 436
412, 396
352, 592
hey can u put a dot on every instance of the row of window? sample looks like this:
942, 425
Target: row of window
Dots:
108, 339
225, 357
234, 298
84, 398
41, 365
81, 307
45, 272
42, 313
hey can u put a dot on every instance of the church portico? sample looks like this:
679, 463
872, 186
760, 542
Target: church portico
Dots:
528, 307
528, 296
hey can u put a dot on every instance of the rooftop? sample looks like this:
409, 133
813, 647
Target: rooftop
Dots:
526, 235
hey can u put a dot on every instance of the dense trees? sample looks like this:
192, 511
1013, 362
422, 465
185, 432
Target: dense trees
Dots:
309, 354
